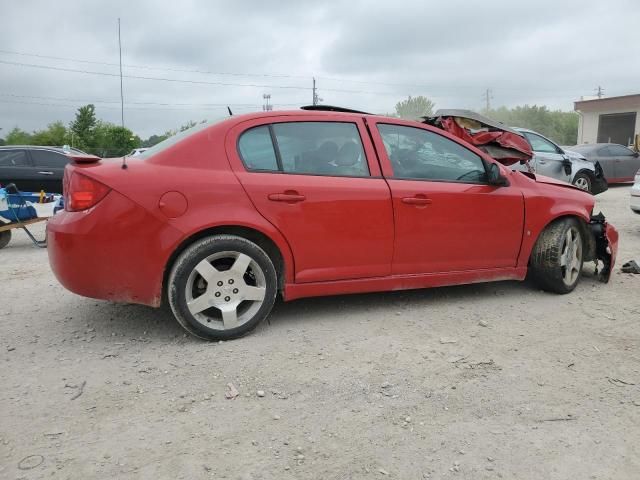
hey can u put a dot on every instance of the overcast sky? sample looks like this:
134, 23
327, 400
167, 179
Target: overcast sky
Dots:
364, 54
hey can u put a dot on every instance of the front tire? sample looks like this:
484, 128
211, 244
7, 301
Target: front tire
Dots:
222, 287
582, 181
557, 257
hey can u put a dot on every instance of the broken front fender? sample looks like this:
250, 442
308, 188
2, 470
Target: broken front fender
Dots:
605, 236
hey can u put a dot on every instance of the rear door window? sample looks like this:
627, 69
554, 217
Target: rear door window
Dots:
620, 151
256, 149
312, 148
48, 159
13, 158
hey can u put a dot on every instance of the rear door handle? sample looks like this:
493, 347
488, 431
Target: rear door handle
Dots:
288, 197
417, 201
45, 173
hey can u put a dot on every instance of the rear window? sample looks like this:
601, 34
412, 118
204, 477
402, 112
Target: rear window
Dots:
172, 140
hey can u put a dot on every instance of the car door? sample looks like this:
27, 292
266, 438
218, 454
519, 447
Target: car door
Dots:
447, 218
549, 158
319, 183
48, 169
607, 162
626, 162
16, 167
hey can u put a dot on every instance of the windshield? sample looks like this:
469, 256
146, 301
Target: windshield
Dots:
172, 140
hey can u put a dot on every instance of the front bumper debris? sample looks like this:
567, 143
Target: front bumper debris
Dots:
605, 237
599, 183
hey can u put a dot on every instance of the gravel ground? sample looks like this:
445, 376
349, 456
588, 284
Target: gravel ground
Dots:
484, 381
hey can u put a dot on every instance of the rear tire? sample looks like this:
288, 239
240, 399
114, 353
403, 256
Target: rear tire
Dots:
582, 181
5, 238
222, 287
557, 257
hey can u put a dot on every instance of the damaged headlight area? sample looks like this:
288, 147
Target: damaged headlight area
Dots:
602, 246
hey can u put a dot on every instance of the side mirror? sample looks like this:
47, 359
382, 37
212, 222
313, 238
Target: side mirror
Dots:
495, 177
566, 163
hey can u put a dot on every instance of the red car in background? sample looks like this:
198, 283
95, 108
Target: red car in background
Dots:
220, 220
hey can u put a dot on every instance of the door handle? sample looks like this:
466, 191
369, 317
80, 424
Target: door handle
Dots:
45, 173
542, 162
417, 200
288, 197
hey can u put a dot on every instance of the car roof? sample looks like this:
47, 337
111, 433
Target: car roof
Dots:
39, 147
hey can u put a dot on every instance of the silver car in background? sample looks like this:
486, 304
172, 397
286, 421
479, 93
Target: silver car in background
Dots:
553, 161
619, 163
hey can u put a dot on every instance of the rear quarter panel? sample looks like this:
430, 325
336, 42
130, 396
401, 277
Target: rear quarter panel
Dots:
198, 169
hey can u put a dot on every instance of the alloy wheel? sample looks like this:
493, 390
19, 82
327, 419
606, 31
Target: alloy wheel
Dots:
225, 290
571, 257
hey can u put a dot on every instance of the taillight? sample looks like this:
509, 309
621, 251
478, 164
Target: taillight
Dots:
82, 192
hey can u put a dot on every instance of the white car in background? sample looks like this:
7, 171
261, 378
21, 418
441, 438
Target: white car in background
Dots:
635, 194
137, 151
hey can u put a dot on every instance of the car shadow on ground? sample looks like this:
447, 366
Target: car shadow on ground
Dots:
112, 322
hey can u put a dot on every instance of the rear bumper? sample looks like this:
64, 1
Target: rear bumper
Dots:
100, 253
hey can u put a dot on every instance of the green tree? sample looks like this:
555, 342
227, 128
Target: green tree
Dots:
18, 137
112, 140
83, 127
55, 134
414, 108
559, 126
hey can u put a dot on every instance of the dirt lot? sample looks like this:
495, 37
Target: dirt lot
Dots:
484, 381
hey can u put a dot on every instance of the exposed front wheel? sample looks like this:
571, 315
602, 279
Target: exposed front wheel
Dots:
222, 287
557, 257
582, 181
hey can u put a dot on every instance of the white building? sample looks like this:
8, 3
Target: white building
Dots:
609, 119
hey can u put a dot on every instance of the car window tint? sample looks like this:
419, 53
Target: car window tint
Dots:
539, 144
13, 158
420, 154
256, 149
619, 151
321, 148
603, 152
44, 158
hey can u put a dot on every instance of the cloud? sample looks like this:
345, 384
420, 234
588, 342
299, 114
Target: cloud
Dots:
365, 55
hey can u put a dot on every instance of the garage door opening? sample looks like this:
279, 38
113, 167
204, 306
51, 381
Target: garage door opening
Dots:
617, 128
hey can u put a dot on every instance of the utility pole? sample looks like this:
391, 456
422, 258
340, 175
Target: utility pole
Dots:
266, 106
599, 92
316, 98
121, 91
487, 98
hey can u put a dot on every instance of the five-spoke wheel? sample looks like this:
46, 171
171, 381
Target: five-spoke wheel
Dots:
221, 287
557, 257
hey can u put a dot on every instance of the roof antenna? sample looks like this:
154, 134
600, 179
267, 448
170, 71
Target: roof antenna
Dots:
124, 157
230, 112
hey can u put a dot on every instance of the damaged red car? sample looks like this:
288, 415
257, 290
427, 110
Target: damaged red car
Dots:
222, 219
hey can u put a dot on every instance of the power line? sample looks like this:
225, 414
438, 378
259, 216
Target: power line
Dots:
76, 105
145, 67
138, 77
164, 104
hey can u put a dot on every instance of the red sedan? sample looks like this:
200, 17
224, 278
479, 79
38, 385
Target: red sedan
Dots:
220, 220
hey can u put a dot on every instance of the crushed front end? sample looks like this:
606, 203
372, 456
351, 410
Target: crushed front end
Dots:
599, 183
603, 246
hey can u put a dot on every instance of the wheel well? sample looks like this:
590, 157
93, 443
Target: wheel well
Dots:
585, 231
255, 236
587, 172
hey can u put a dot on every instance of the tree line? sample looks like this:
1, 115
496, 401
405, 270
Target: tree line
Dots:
559, 126
86, 132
